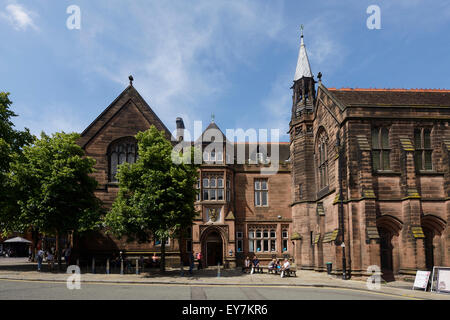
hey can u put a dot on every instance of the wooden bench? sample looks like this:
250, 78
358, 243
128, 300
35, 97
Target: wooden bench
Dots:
292, 271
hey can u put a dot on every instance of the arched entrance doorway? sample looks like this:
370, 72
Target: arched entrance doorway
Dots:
388, 229
433, 227
429, 248
214, 249
386, 247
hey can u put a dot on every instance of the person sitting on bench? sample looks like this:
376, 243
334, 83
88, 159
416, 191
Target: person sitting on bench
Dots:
256, 266
247, 264
272, 265
285, 267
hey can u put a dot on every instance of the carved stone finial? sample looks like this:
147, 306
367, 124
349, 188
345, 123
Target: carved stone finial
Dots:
131, 80
319, 76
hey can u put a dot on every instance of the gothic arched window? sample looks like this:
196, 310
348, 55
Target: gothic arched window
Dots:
120, 151
322, 157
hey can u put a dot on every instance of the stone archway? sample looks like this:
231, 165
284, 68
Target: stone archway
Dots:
433, 227
213, 246
389, 228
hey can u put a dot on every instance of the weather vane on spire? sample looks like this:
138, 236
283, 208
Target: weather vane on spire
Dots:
301, 28
212, 117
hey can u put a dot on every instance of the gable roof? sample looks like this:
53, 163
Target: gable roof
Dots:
127, 95
392, 97
211, 130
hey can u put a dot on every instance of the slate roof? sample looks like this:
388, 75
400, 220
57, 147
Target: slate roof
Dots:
392, 97
303, 67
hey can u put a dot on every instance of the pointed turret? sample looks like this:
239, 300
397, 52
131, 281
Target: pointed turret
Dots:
304, 91
303, 66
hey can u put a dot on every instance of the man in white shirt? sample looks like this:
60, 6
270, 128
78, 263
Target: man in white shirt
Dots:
40, 257
285, 267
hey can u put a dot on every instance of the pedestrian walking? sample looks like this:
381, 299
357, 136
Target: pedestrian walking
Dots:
40, 258
67, 253
191, 262
199, 258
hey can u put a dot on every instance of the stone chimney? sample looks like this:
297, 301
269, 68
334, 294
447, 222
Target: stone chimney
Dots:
180, 129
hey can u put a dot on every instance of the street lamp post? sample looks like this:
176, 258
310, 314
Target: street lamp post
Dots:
341, 202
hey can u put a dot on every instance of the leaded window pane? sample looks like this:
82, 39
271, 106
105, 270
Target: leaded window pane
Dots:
376, 159
418, 160
386, 162
220, 194
264, 185
272, 245
417, 139
375, 138
220, 182
122, 158
212, 194
257, 199
266, 245
428, 160
385, 138
427, 139
264, 198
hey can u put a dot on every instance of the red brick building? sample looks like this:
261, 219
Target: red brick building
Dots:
395, 171
239, 207
395, 177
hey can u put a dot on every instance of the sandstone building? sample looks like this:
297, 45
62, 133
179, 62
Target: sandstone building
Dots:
394, 160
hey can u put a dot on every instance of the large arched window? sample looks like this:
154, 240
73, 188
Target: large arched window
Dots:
322, 159
120, 151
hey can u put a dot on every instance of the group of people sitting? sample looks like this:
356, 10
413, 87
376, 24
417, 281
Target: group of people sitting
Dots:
274, 266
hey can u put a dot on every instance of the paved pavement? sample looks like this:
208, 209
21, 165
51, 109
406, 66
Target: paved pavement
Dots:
20, 269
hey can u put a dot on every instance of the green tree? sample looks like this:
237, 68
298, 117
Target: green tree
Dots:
156, 195
56, 189
11, 144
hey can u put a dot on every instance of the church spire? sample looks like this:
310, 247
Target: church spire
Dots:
304, 91
303, 66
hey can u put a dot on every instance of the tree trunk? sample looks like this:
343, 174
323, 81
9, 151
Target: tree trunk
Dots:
181, 253
162, 265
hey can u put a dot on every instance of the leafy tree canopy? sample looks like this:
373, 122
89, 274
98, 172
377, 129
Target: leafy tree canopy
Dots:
11, 144
156, 195
56, 190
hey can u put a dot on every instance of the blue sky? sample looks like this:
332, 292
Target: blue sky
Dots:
233, 58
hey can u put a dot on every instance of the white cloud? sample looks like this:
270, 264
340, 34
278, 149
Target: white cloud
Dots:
19, 17
181, 62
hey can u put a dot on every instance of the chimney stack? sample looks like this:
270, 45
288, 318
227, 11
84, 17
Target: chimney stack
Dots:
180, 129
